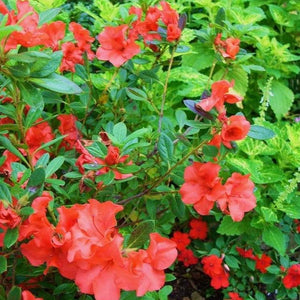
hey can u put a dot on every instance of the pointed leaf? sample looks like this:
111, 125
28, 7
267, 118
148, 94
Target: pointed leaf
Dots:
140, 234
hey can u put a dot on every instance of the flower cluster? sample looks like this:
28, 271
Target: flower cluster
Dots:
203, 188
118, 44
198, 230
212, 266
261, 262
48, 35
85, 246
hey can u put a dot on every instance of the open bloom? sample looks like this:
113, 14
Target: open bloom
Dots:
115, 46
238, 197
262, 263
202, 186
199, 229
292, 278
181, 239
222, 92
212, 266
229, 47
235, 128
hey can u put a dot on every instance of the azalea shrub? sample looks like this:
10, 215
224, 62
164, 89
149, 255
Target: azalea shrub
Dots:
140, 137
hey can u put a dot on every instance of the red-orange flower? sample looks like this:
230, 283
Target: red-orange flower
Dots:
212, 266
187, 257
229, 47
54, 33
202, 186
263, 262
181, 239
113, 158
173, 32
9, 217
234, 296
38, 134
115, 46
221, 92
292, 278
199, 229
72, 55
238, 197
26, 295
68, 127
38, 229
234, 129
245, 253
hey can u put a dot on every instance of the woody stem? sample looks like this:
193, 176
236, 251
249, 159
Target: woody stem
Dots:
161, 115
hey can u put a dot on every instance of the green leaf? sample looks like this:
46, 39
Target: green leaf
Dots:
232, 262
48, 15
11, 236
196, 61
120, 132
165, 148
136, 94
194, 82
31, 95
7, 30
51, 142
140, 234
54, 165
57, 83
48, 67
281, 99
5, 193
259, 296
106, 178
3, 264
260, 133
65, 288
14, 293
136, 134
128, 169
34, 113
273, 269
97, 149
274, 237
269, 215
280, 16
292, 210
229, 227
240, 77
165, 292
177, 206
181, 118
26, 211
4, 141
73, 175
29, 56
210, 151
36, 182
220, 17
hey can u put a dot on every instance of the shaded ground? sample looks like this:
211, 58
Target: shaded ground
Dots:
192, 284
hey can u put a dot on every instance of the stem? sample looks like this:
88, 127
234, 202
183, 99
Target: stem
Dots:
162, 178
161, 115
211, 73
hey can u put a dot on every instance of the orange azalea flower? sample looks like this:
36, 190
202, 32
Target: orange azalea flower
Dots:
115, 46
238, 197
202, 186
229, 47
234, 129
222, 92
